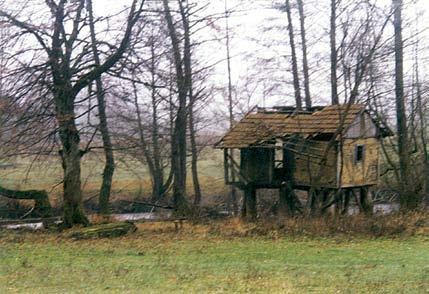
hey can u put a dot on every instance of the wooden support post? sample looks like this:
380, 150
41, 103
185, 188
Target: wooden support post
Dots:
365, 204
314, 197
347, 195
283, 209
286, 201
226, 165
249, 209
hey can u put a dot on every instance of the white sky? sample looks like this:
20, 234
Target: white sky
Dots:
248, 38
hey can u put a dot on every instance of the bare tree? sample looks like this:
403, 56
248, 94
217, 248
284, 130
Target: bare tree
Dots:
304, 55
179, 134
109, 165
66, 64
297, 90
407, 198
233, 191
332, 36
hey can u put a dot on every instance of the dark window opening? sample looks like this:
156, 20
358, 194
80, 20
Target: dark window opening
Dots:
359, 153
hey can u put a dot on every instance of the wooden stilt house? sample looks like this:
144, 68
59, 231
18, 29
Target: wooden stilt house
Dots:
331, 148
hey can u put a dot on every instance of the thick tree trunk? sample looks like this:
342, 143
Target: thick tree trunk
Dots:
71, 156
332, 35
296, 87
42, 206
304, 55
109, 166
179, 135
408, 198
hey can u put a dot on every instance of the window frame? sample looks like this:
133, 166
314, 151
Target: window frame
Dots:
359, 149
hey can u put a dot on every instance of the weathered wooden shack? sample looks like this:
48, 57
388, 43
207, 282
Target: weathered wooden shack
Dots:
333, 148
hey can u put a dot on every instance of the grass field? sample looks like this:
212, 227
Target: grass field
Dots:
131, 178
196, 260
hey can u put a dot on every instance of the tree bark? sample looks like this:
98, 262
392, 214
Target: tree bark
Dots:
109, 166
332, 35
296, 87
179, 135
423, 128
233, 190
304, 55
158, 188
194, 158
192, 99
71, 156
408, 198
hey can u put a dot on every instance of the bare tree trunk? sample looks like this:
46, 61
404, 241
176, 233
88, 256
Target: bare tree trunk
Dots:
233, 190
109, 166
296, 87
192, 99
71, 156
158, 188
194, 157
304, 55
334, 89
408, 199
423, 127
143, 143
179, 143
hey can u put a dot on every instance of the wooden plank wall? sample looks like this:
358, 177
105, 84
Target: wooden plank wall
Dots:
364, 172
310, 164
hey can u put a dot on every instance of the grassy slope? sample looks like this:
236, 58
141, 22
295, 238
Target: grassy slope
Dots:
165, 261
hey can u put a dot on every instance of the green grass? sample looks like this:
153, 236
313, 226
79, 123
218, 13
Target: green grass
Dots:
149, 262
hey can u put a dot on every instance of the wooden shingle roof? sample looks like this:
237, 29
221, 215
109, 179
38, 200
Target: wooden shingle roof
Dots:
257, 128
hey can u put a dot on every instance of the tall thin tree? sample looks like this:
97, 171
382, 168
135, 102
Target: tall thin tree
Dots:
407, 198
179, 134
109, 165
296, 87
334, 61
304, 55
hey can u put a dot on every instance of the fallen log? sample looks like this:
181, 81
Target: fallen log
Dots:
104, 231
46, 221
42, 206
